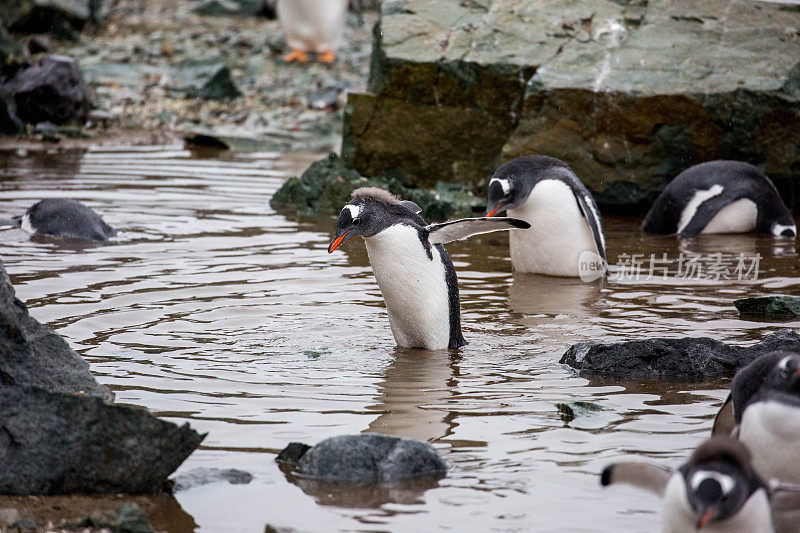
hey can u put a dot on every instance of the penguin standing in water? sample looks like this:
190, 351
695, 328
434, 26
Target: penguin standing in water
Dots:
763, 411
565, 221
412, 268
717, 490
720, 197
312, 26
62, 217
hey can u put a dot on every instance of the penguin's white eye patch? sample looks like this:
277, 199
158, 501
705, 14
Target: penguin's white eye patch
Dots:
725, 482
504, 184
355, 210
783, 365
778, 229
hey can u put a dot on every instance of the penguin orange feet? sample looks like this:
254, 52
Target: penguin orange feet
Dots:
296, 55
326, 57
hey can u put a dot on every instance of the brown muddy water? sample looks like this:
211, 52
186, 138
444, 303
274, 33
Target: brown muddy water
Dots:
213, 309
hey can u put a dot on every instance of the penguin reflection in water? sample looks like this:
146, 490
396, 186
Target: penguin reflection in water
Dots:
566, 226
717, 490
412, 268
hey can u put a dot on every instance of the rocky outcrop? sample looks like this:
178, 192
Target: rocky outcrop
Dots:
769, 307
62, 18
628, 93
50, 91
59, 431
686, 359
368, 458
327, 184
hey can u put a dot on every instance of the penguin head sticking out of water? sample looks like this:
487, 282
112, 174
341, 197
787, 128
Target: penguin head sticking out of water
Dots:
716, 489
720, 197
565, 220
412, 268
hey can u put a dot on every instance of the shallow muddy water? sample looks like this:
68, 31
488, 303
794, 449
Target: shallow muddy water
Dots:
211, 308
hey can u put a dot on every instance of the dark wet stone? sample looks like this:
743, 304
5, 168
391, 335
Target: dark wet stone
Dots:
209, 79
61, 18
369, 458
685, 359
51, 91
127, 518
769, 307
292, 453
10, 124
569, 411
38, 44
31, 354
64, 217
217, 8
203, 476
327, 184
458, 87
10, 49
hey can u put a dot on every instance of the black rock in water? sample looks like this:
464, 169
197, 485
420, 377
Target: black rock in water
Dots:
367, 458
59, 433
203, 476
769, 307
64, 217
686, 359
51, 91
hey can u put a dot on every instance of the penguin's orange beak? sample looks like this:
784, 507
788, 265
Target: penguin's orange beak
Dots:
707, 516
493, 211
337, 241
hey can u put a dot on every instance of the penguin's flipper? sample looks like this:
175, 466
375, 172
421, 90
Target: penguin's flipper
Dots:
643, 475
725, 421
411, 206
9, 223
785, 505
703, 215
466, 227
592, 216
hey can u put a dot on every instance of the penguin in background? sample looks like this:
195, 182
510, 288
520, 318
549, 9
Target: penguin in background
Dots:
312, 26
720, 197
763, 411
565, 220
716, 490
412, 267
62, 217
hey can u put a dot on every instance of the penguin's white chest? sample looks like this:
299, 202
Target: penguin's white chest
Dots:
313, 25
678, 516
772, 432
736, 217
558, 233
413, 286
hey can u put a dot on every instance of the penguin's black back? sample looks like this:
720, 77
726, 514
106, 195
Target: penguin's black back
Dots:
64, 217
738, 179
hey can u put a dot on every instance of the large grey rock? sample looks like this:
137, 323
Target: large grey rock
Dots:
368, 458
58, 432
32, 355
51, 91
628, 93
685, 359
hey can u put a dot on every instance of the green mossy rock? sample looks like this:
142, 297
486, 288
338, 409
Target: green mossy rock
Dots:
327, 184
769, 307
209, 79
629, 93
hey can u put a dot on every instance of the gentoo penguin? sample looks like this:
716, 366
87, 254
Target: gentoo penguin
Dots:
717, 490
62, 217
720, 197
565, 221
411, 266
312, 26
764, 405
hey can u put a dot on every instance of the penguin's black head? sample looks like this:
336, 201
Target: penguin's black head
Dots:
768, 375
719, 479
370, 211
513, 182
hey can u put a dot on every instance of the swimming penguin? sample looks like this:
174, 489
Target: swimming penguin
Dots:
564, 217
717, 490
720, 197
412, 268
312, 26
763, 411
62, 217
